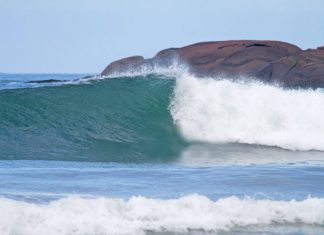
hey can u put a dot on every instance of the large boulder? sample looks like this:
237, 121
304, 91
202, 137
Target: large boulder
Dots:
269, 61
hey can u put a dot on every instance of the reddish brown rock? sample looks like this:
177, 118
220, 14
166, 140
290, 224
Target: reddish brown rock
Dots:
269, 61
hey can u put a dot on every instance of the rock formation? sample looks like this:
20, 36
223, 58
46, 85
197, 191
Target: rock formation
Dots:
269, 61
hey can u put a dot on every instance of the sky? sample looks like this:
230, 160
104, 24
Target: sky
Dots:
83, 36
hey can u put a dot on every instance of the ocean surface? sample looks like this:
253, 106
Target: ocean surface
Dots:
159, 153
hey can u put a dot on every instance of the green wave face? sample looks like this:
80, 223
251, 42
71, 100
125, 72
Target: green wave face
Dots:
121, 120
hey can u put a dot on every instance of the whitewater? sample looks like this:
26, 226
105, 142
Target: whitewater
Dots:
222, 111
139, 215
159, 153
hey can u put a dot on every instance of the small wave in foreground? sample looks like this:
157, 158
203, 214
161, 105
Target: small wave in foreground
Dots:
138, 215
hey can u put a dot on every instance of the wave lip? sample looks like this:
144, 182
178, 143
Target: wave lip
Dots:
224, 111
173, 70
138, 215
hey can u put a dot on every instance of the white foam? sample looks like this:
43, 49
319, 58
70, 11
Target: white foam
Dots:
224, 111
106, 216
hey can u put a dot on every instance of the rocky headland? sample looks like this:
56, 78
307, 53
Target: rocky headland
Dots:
272, 62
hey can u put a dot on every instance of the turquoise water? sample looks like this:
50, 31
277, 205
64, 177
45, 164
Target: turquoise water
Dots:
159, 154
123, 120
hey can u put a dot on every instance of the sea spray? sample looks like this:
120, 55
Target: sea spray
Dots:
223, 111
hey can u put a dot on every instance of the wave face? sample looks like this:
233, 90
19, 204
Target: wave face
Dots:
137, 215
223, 111
124, 119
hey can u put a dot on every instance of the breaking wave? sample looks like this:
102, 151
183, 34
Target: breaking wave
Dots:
133, 119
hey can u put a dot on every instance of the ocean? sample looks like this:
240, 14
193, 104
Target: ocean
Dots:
159, 153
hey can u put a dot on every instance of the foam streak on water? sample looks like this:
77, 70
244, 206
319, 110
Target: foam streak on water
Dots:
223, 111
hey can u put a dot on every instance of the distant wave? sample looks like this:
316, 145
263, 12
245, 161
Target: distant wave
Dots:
108, 216
224, 111
10, 81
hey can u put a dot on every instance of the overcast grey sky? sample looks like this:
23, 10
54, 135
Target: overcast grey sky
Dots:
85, 35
